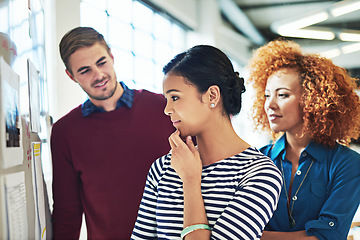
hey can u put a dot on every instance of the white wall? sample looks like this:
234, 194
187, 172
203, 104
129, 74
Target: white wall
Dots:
64, 94
201, 15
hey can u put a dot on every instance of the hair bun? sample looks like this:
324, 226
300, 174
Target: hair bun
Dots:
242, 85
240, 82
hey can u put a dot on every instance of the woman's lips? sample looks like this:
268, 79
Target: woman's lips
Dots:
175, 122
273, 117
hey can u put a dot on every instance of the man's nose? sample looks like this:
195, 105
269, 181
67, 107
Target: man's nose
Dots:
98, 73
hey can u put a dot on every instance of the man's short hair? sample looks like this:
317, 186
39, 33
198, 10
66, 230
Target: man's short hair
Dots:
76, 38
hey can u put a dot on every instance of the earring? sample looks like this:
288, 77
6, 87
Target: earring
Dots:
212, 105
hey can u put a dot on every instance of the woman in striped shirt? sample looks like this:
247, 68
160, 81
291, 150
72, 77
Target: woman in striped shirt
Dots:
220, 189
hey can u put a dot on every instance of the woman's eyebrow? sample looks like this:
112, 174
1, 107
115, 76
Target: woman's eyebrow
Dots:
172, 90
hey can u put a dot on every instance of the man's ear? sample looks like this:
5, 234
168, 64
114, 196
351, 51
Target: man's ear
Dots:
111, 55
70, 75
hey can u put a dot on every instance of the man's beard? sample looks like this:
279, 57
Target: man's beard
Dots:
104, 97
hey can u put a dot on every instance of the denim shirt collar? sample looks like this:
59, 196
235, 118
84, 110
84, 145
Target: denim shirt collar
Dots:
279, 148
315, 150
126, 99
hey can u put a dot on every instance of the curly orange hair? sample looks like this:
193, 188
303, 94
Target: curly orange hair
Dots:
330, 105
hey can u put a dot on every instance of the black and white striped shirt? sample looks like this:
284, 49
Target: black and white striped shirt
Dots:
240, 194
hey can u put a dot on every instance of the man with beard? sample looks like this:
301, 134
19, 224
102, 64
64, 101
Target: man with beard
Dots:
103, 149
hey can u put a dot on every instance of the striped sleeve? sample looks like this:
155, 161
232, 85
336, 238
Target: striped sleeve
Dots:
253, 203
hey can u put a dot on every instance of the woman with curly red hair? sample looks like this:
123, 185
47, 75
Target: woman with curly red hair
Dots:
310, 107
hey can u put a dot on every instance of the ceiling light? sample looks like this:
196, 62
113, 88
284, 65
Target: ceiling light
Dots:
331, 53
352, 37
303, 22
348, 7
351, 48
313, 34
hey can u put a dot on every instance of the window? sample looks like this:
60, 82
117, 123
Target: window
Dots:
142, 39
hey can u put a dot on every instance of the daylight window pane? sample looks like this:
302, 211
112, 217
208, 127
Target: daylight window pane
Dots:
120, 9
142, 18
101, 5
39, 19
123, 64
36, 6
161, 28
40, 51
21, 13
162, 52
144, 72
120, 34
143, 44
159, 76
99, 23
22, 32
178, 36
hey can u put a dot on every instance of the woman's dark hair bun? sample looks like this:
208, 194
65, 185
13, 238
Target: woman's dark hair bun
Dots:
232, 91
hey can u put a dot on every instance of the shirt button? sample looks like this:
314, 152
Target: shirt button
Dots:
304, 154
298, 172
331, 224
294, 198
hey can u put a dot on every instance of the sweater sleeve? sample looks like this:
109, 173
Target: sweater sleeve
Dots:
67, 213
252, 205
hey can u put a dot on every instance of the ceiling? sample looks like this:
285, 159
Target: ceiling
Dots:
263, 14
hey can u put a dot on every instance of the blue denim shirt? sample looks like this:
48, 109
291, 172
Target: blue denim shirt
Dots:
329, 196
126, 99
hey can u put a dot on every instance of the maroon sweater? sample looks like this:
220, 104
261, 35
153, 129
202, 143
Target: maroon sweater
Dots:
100, 164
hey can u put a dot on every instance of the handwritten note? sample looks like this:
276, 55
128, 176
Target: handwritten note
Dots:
16, 205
